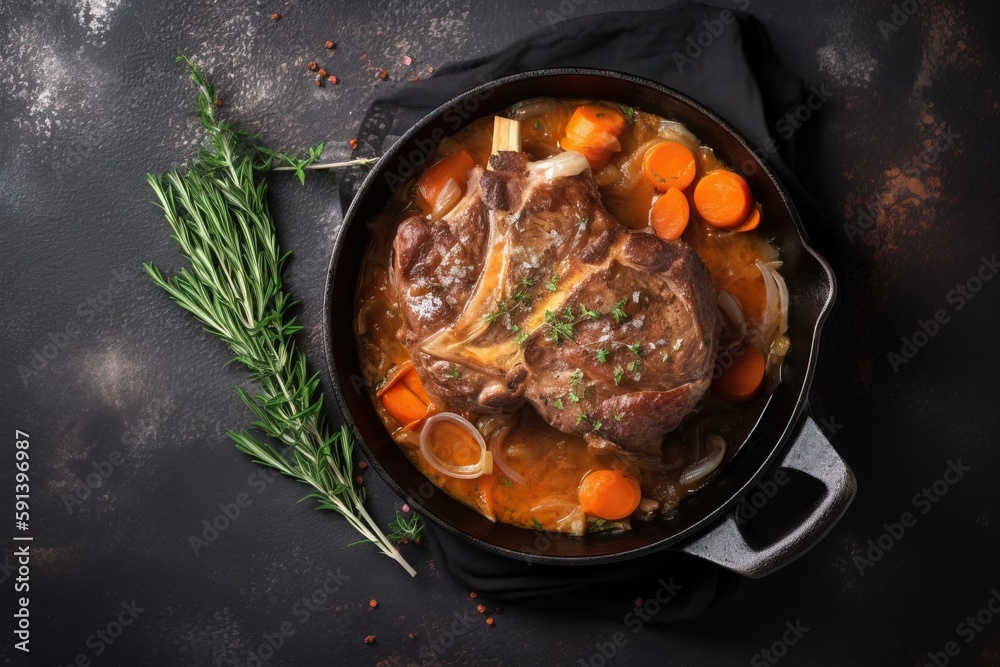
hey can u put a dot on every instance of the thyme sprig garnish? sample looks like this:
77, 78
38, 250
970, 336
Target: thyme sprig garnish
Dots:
217, 209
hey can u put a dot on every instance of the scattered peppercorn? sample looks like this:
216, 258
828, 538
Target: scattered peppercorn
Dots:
407, 60
361, 464
490, 621
481, 608
319, 83
322, 72
353, 143
359, 479
370, 639
333, 80
218, 102
430, 69
276, 16
412, 635
382, 74
329, 44
373, 603
312, 66
473, 595
638, 602
414, 78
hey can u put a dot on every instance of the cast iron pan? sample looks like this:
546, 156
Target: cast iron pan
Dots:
704, 524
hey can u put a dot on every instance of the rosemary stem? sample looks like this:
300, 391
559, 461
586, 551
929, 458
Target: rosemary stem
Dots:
329, 165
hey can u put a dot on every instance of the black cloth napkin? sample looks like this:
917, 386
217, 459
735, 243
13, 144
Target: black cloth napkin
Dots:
716, 55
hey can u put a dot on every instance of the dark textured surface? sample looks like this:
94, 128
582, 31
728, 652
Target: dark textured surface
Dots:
91, 101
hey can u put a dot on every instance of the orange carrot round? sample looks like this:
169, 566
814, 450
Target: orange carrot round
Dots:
743, 378
753, 220
609, 494
669, 215
723, 198
454, 167
669, 165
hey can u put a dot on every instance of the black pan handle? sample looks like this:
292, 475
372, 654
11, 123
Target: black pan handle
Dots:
812, 454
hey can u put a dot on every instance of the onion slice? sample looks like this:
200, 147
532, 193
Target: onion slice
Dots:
732, 309
484, 466
671, 130
567, 163
716, 446
451, 193
772, 307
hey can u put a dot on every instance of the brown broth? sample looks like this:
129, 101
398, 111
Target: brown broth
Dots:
551, 462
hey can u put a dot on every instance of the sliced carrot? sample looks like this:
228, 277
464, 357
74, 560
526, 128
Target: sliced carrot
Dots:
723, 198
669, 215
403, 396
454, 167
595, 131
752, 220
597, 157
609, 494
669, 165
743, 378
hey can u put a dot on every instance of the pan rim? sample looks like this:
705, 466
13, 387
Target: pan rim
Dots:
777, 447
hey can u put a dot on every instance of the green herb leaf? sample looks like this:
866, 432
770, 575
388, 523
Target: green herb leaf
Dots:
536, 523
597, 426
537, 127
587, 312
628, 112
558, 403
553, 283
619, 374
506, 482
602, 356
574, 398
618, 310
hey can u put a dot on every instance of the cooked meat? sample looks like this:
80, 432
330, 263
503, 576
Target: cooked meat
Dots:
530, 290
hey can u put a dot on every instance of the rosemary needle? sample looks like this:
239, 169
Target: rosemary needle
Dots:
217, 210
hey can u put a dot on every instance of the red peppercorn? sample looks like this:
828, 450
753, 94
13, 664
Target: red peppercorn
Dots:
481, 608
312, 66
373, 603
329, 44
361, 464
319, 83
276, 16
490, 621
370, 639
322, 73
473, 595
353, 143
218, 102
382, 74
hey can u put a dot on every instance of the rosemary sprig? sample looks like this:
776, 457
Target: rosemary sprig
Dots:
406, 530
217, 210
